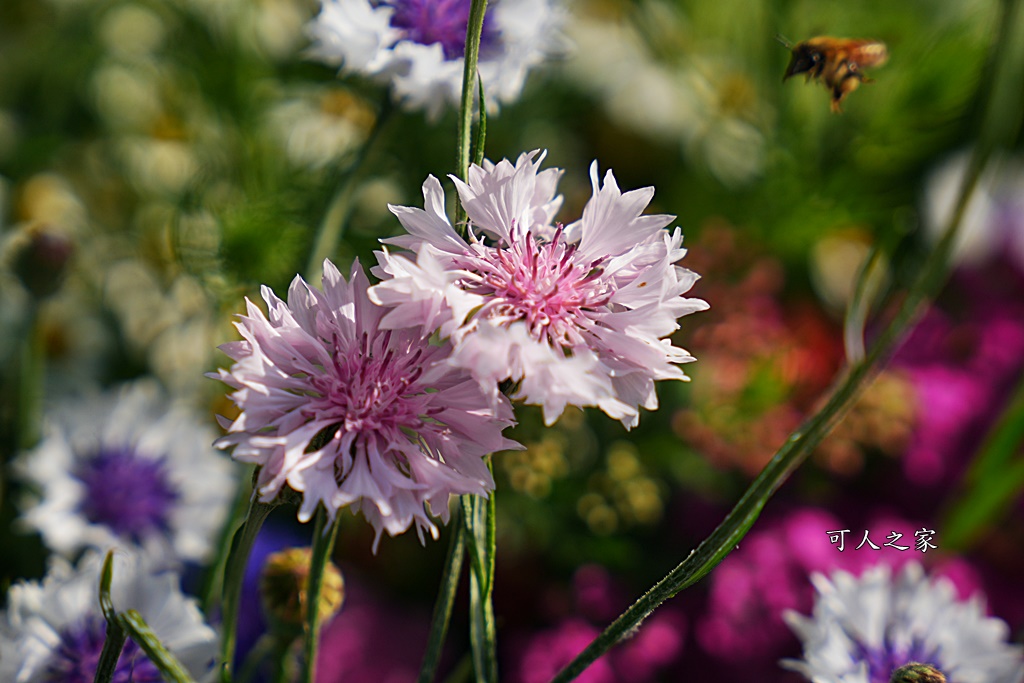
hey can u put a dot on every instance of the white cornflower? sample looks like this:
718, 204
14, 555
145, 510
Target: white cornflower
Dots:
418, 45
354, 415
864, 628
572, 315
53, 631
127, 468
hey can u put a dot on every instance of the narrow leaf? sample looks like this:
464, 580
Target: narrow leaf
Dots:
170, 668
994, 481
1002, 88
481, 126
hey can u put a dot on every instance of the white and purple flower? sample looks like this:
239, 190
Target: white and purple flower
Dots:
351, 414
54, 631
862, 629
418, 45
573, 315
127, 467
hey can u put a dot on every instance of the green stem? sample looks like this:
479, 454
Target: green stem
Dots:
110, 653
323, 545
332, 226
234, 573
260, 652
284, 665
476, 558
474, 29
115, 636
478, 517
462, 671
445, 601
31, 377
480, 536
860, 305
1004, 90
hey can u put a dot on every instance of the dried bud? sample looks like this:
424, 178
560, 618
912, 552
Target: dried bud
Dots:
40, 258
915, 672
284, 586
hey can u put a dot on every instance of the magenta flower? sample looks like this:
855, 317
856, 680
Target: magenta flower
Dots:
643, 656
349, 414
549, 651
573, 315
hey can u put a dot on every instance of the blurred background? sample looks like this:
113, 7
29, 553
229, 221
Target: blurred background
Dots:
160, 160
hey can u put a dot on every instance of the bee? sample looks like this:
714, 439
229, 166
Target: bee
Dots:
836, 61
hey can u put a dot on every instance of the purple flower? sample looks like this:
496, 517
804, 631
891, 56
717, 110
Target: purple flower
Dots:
128, 467
573, 315
350, 414
54, 630
417, 45
864, 628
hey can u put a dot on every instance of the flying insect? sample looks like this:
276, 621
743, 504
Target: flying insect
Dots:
838, 62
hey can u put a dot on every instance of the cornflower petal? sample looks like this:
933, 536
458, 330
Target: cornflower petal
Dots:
574, 315
864, 628
127, 467
350, 413
417, 45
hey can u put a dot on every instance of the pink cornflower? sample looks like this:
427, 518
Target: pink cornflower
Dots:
348, 413
573, 315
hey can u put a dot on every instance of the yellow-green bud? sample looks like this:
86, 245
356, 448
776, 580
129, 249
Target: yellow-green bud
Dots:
284, 586
916, 672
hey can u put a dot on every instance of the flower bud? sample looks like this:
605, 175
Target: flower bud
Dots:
916, 672
40, 258
284, 587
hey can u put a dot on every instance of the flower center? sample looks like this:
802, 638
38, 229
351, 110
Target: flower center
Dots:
129, 494
539, 283
74, 660
883, 661
373, 386
439, 21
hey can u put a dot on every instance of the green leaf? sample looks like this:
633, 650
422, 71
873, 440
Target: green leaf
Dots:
170, 668
481, 128
994, 481
1001, 89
